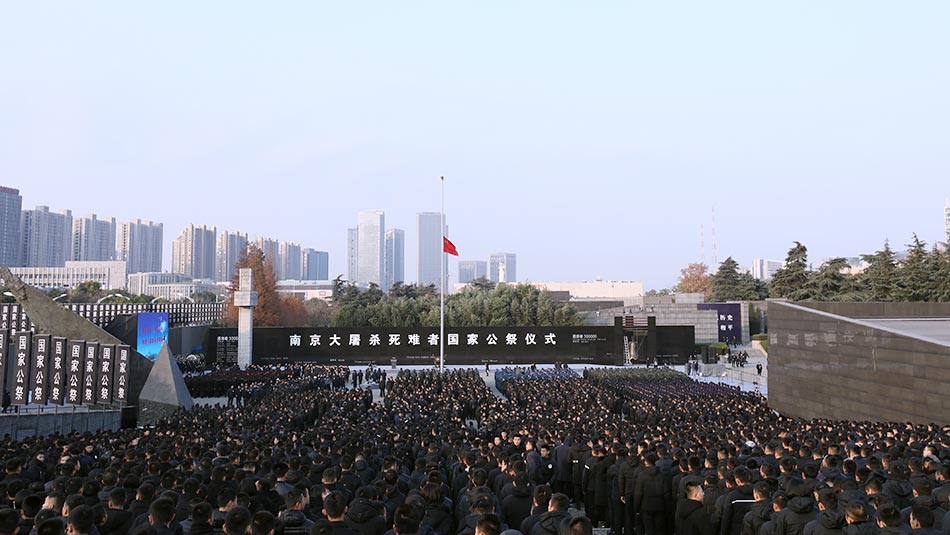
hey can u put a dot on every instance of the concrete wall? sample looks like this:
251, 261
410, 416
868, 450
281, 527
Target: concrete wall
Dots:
45, 423
831, 366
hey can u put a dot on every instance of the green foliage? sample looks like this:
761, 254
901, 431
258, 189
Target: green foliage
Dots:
658, 293
880, 277
476, 305
923, 276
728, 284
792, 280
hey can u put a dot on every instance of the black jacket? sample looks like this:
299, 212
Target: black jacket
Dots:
738, 503
517, 506
366, 517
800, 511
652, 491
549, 523
760, 513
826, 523
691, 518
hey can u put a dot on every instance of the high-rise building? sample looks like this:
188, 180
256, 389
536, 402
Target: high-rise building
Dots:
271, 250
502, 267
316, 265
227, 252
371, 247
352, 253
11, 204
45, 237
470, 270
395, 257
764, 270
430, 257
139, 245
290, 261
946, 221
93, 239
193, 252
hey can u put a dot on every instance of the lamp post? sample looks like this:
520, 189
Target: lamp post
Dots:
60, 296
99, 302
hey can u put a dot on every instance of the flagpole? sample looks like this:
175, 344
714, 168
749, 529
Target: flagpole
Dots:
442, 281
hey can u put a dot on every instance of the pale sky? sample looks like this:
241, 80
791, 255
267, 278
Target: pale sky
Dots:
591, 138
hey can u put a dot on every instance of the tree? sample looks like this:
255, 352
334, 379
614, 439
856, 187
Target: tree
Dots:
658, 293
86, 292
914, 282
205, 297
267, 311
319, 313
791, 282
880, 277
728, 284
830, 283
292, 312
695, 278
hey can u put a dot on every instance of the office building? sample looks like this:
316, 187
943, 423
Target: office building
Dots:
764, 270
193, 252
946, 222
139, 283
290, 261
371, 247
139, 245
271, 250
228, 250
429, 251
395, 257
93, 239
352, 253
109, 275
11, 204
470, 270
316, 265
45, 237
502, 267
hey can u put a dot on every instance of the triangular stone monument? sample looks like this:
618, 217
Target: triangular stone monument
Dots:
164, 391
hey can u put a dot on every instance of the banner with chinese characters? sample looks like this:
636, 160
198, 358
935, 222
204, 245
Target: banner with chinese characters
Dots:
74, 357
89, 373
123, 355
57, 372
19, 390
729, 320
104, 379
40, 372
4, 358
468, 345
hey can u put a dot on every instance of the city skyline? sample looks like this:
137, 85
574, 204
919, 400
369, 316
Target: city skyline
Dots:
797, 122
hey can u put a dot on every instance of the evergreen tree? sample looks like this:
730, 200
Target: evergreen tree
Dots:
880, 277
728, 285
914, 282
791, 282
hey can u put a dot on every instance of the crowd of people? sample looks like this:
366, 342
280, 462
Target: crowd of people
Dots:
645, 452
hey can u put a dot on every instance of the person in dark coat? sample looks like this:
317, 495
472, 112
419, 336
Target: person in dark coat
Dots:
550, 522
737, 503
922, 521
438, 513
830, 520
888, 521
517, 506
334, 508
293, 520
365, 513
691, 517
563, 472
923, 498
651, 497
761, 511
540, 504
118, 520
799, 511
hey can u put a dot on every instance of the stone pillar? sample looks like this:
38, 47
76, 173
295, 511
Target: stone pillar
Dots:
245, 299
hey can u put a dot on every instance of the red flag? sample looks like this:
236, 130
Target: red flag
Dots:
449, 247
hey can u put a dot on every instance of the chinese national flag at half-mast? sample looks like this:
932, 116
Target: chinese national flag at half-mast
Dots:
449, 247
